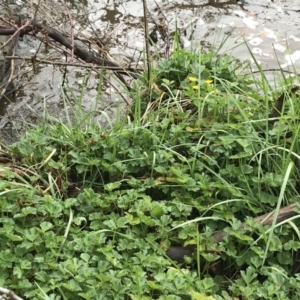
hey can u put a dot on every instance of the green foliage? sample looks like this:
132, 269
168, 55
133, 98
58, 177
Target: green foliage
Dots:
94, 211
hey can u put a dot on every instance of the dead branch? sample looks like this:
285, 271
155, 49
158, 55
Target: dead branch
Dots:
78, 51
14, 35
177, 253
5, 31
266, 219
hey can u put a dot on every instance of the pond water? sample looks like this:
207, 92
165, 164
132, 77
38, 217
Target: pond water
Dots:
271, 31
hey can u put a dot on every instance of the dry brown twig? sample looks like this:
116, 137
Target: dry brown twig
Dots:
8, 22
72, 28
15, 35
11, 75
10, 294
61, 63
108, 37
146, 38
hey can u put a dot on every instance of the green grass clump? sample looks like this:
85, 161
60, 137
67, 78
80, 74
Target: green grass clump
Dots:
89, 212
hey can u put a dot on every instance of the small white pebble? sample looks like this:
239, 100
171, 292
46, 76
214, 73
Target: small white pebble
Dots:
291, 59
201, 21
279, 48
291, 75
272, 35
250, 22
239, 13
256, 41
294, 38
267, 55
257, 51
110, 90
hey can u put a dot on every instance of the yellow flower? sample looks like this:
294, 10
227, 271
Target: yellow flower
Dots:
192, 79
195, 87
208, 81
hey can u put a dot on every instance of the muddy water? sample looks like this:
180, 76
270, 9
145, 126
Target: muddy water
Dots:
271, 30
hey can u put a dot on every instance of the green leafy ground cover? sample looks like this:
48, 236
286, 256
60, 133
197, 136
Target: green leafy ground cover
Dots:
88, 212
